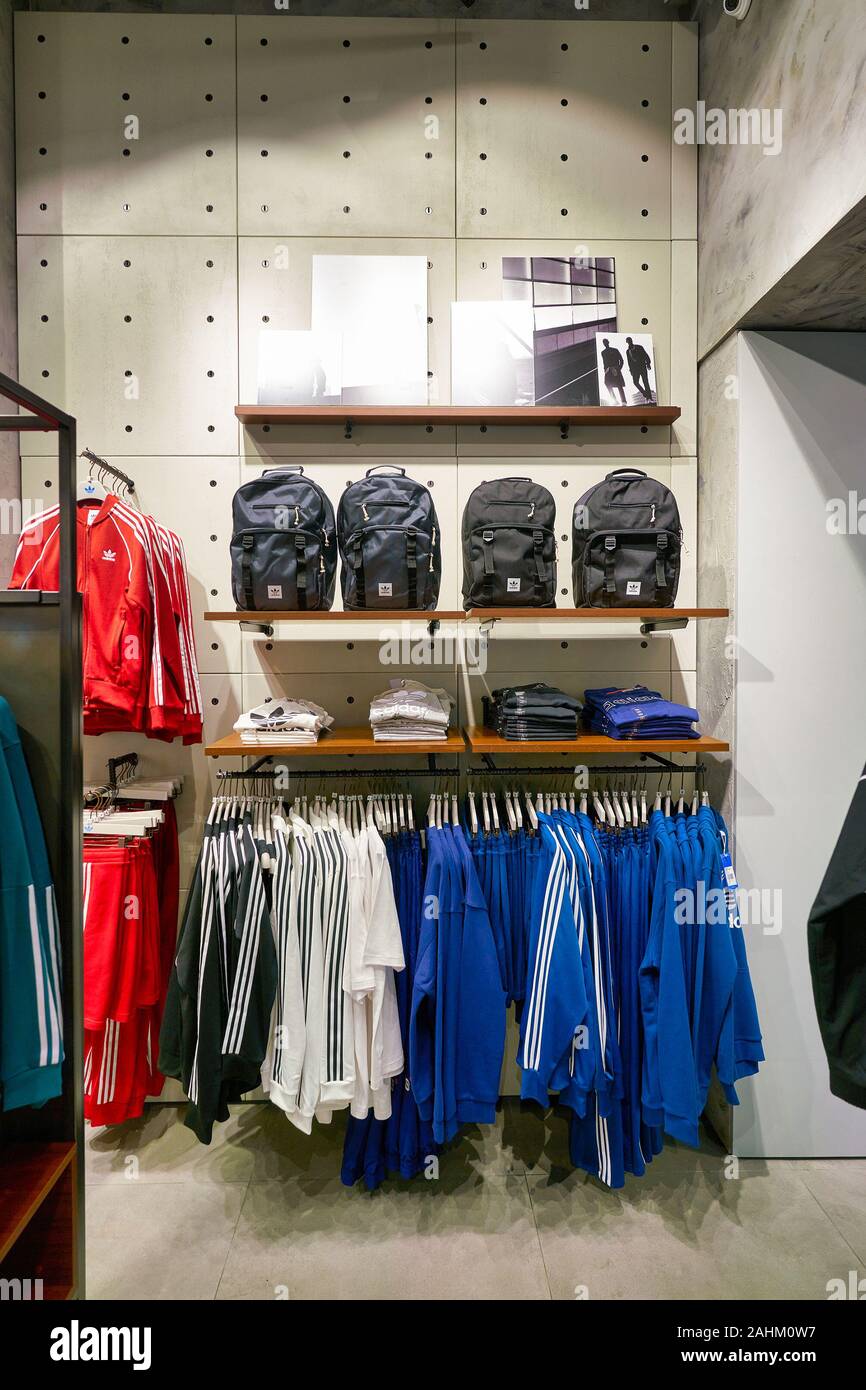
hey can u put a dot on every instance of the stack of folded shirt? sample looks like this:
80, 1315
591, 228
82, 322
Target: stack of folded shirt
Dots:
536, 711
637, 713
409, 710
283, 721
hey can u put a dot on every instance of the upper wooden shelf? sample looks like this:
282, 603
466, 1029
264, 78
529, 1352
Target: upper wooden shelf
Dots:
634, 615
599, 615
487, 741
563, 415
397, 615
356, 739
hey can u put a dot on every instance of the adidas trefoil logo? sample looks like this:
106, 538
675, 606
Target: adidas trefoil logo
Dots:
109, 555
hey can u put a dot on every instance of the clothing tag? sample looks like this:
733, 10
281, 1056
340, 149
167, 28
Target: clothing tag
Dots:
728, 871
275, 591
632, 588
92, 515
513, 586
386, 590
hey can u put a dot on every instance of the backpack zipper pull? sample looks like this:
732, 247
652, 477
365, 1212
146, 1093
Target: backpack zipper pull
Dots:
297, 516
653, 515
364, 511
531, 509
321, 564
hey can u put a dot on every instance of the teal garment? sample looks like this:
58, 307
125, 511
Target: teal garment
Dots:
31, 1020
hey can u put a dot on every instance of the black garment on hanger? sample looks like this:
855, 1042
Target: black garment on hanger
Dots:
837, 956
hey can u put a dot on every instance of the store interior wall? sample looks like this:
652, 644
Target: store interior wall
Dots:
801, 672
780, 244
170, 318
10, 484
762, 214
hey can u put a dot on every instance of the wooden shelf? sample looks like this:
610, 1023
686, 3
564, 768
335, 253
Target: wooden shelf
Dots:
346, 741
28, 1173
383, 615
599, 615
541, 615
486, 741
570, 415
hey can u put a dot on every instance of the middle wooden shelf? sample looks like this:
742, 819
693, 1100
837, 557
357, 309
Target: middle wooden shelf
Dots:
358, 739
354, 739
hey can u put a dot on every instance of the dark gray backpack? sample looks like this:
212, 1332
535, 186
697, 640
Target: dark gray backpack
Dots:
509, 546
389, 542
283, 547
626, 542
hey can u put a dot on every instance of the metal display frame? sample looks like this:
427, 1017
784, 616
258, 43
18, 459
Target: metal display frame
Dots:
42, 416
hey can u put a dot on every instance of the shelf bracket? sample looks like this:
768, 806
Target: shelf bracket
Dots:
431, 763
563, 429
663, 625
263, 629
348, 430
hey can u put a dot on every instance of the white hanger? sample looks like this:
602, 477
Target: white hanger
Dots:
473, 814
485, 812
531, 812
598, 804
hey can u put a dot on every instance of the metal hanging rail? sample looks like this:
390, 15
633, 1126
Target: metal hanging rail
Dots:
103, 467
347, 774
662, 766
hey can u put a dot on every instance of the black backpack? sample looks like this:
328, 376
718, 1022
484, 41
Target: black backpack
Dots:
509, 545
283, 547
389, 542
626, 542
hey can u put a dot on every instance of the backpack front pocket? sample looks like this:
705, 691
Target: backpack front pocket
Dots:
630, 569
511, 566
278, 569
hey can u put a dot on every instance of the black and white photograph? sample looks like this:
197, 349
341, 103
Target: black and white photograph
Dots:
299, 367
572, 298
626, 369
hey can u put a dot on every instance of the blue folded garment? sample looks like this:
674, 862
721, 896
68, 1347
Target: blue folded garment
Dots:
637, 712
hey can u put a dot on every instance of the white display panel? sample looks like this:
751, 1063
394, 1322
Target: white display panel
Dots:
377, 306
800, 677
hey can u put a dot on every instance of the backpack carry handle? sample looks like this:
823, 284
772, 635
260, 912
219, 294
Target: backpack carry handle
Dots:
285, 468
627, 473
376, 466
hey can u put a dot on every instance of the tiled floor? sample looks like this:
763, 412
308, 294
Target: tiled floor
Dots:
261, 1213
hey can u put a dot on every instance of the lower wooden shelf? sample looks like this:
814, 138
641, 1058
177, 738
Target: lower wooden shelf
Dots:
482, 740
338, 742
28, 1172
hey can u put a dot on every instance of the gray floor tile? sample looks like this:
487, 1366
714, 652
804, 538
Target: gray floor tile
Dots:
839, 1186
158, 1148
159, 1241
469, 1238
688, 1233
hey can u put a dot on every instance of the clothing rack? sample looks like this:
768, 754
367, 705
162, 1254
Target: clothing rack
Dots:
346, 775
127, 763
664, 765
104, 468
